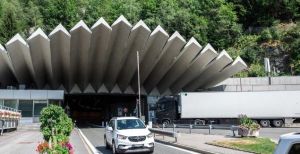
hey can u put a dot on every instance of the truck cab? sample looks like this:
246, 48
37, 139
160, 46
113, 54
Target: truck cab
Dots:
167, 110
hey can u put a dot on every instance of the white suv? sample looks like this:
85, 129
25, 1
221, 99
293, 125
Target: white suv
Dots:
128, 135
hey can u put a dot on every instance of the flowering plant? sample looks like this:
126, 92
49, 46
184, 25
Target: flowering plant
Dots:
247, 123
56, 127
64, 147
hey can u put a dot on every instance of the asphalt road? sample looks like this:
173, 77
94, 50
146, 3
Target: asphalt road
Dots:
95, 136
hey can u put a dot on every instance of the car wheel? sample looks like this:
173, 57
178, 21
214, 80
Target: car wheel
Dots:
265, 123
114, 149
106, 143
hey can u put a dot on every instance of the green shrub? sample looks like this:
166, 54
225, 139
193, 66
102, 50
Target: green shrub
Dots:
265, 35
248, 123
54, 121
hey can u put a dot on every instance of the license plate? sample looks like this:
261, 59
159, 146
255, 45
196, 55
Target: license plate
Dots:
137, 145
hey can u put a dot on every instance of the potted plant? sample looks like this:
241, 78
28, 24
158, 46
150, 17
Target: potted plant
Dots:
247, 127
56, 128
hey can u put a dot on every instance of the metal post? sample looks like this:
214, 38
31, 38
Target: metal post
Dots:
210, 127
191, 127
163, 126
232, 128
174, 125
139, 84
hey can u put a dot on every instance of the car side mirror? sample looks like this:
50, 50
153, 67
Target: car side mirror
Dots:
109, 128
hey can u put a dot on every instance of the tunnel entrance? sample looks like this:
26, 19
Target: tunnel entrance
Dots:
98, 108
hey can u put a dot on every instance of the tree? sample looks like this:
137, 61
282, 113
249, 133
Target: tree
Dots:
66, 12
11, 19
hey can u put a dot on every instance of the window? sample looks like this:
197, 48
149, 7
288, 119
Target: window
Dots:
26, 107
54, 102
1, 102
11, 103
38, 105
130, 124
295, 149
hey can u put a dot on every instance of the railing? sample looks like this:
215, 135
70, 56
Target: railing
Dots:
8, 108
165, 133
9, 118
210, 127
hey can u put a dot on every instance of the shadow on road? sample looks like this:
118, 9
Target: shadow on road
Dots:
103, 150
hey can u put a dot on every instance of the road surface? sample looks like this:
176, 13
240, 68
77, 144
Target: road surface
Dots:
95, 136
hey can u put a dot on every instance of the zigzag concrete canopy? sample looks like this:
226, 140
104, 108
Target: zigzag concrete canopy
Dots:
102, 59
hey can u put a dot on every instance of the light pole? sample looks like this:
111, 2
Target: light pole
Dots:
268, 68
139, 84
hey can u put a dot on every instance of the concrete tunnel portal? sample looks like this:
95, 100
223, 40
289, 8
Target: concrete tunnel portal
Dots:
100, 108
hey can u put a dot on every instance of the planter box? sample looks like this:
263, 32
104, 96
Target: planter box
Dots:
244, 132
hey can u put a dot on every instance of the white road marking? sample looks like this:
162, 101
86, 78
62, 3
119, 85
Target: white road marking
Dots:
89, 144
179, 149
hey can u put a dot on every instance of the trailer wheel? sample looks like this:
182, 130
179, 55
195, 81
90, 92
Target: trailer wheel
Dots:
166, 122
199, 122
265, 123
277, 123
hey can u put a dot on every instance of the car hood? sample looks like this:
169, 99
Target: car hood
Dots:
134, 132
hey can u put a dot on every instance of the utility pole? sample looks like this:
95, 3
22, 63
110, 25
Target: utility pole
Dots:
139, 85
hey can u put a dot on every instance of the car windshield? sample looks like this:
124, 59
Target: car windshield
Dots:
130, 124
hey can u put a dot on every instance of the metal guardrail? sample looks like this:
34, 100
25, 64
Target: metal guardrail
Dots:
165, 133
9, 108
7, 123
210, 127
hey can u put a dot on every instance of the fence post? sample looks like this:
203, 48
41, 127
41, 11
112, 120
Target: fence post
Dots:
210, 127
174, 125
191, 127
163, 129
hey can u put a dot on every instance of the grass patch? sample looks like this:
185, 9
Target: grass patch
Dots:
255, 145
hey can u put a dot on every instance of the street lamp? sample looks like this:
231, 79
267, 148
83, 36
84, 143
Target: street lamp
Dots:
268, 68
139, 85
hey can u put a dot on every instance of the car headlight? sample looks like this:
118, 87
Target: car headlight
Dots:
150, 135
122, 137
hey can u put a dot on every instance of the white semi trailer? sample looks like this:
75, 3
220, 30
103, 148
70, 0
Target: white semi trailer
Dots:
268, 108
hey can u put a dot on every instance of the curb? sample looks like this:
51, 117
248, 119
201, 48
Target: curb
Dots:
185, 147
89, 144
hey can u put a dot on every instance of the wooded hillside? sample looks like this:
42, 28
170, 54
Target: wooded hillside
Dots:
253, 29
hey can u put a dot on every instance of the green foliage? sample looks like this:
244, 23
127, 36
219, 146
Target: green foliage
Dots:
54, 122
253, 145
11, 19
265, 12
248, 123
256, 70
266, 35
244, 28
292, 46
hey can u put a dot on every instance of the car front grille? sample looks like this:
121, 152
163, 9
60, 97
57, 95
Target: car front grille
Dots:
137, 138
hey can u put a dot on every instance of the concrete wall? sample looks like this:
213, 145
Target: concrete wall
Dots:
32, 94
284, 83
